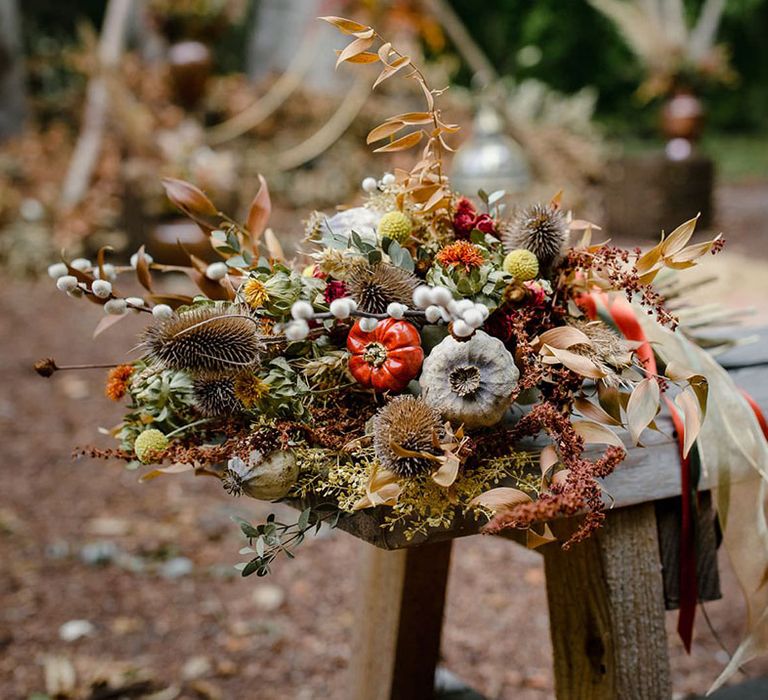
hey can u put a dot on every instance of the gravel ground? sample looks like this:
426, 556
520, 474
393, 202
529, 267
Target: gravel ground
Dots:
109, 583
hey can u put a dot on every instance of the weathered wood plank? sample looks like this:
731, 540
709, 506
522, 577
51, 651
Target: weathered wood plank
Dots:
606, 611
707, 575
399, 622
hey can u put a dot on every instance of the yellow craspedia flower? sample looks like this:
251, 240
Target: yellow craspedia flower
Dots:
148, 444
395, 225
255, 293
522, 264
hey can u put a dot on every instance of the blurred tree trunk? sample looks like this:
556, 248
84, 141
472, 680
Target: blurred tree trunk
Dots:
12, 97
284, 28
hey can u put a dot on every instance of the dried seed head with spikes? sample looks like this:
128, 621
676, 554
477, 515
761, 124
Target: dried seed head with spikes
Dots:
541, 229
406, 430
606, 349
376, 286
205, 340
214, 396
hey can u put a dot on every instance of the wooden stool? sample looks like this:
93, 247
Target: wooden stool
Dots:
607, 595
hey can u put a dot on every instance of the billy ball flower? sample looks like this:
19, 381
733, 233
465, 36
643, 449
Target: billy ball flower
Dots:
461, 254
395, 225
522, 264
149, 444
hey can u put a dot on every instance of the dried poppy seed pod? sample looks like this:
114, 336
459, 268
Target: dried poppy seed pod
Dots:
266, 478
469, 382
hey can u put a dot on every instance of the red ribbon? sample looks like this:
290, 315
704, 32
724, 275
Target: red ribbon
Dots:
623, 315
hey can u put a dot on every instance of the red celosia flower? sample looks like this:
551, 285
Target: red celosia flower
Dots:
117, 381
466, 219
461, 253
335, 289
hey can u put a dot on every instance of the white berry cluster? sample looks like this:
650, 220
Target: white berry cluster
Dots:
101, 287
439, 305
371, 184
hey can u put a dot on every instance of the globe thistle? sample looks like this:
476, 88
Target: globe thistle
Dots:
405, 426
374, 287
540, 228
149, 444
205, 339
215, 396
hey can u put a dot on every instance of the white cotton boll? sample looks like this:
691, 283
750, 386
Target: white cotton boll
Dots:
370, 185
368, 324
109, 272
422, 296
341, 308
101, 289
483, 311
388, 179
396, 310
162, 312
57, 270
352, 303
216, 271
115, 307
445, 315
81, 264
473, 318
302, 310
464, 305
67, 283
433, 314
135, 259
462, 329
441, 296
297, 330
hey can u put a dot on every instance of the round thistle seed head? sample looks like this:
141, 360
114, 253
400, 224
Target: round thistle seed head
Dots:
407, 425
375, 287
540, 229
215, 396
204, 340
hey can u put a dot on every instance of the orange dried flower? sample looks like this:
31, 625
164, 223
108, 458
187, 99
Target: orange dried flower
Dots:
117, 381
461, 253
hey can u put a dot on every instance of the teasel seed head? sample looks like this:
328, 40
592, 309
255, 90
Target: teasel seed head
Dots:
541, 229
205, 339
374, 287
407, 425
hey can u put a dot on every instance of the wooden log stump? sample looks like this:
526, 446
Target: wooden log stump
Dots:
648, 192
399, 622
606, 608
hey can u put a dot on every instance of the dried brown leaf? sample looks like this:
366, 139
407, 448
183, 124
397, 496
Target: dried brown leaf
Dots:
401, 144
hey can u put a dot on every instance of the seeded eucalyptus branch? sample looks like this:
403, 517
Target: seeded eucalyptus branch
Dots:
272, 538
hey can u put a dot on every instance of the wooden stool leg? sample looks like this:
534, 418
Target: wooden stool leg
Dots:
399, 621
606, 610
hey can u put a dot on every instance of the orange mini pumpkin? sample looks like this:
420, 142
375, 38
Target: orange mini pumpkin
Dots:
388, 357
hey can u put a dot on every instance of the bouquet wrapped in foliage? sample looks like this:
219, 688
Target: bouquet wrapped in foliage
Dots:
409, 360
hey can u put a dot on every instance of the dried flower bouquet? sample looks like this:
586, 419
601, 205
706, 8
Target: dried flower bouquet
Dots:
404, 366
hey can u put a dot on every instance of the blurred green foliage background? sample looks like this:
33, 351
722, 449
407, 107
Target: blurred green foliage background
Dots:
564, 43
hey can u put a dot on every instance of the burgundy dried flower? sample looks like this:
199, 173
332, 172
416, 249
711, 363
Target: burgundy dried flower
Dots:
335, 289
